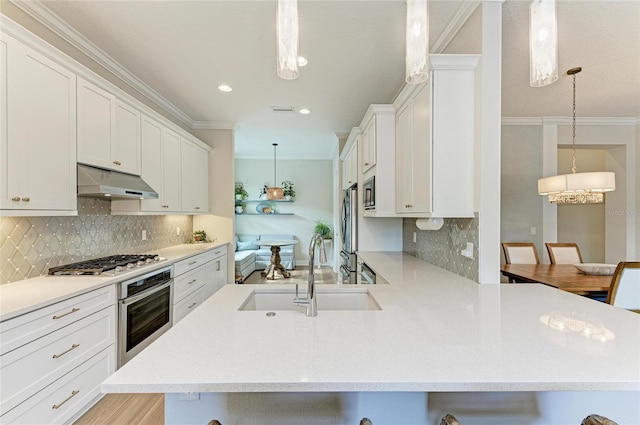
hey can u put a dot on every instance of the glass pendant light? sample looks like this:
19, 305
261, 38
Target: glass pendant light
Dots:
287, 39
543, 43
417, 58
577, 188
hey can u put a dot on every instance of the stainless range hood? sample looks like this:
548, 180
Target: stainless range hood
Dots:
98, 183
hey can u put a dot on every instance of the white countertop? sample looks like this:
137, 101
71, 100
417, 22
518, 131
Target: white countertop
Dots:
27, 295
436, 332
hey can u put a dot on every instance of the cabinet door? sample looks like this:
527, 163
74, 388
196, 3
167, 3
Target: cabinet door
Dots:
369, 146
39, 135
126, 145
194, 177
152, 164
404, 160
96, 125
421, 151
171, 180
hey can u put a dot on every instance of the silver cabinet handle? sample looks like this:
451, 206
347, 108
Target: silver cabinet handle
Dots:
165, 206
192, 263
73, 347
73, 394
73, 310
193, 281
218, 265
197, 208
366, 163
192, 305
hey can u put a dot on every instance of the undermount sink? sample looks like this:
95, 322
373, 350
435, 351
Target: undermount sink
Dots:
282, 299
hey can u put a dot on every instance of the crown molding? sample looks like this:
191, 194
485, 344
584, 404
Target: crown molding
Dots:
214, 125
458, 20
59, 27
568, 120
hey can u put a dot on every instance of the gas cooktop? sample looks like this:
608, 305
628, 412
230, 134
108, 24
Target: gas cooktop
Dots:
97, 266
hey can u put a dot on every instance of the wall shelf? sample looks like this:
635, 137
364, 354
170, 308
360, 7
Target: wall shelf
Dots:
246, 213
267, 200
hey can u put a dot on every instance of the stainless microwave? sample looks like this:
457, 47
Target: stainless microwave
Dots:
369, 193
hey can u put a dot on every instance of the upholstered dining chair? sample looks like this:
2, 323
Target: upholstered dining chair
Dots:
449, 420
624, 291
520, 253
563, 253
597, 420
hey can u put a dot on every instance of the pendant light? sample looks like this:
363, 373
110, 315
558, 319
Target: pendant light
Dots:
543, 43
417, 31
287, 39
577, 188
274, 192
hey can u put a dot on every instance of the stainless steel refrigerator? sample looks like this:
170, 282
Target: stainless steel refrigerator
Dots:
349, 234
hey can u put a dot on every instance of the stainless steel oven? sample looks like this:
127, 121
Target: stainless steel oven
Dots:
144, 311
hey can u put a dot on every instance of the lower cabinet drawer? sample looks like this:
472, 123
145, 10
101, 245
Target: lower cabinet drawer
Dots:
188, 304
27, 370
65, 398
188, 282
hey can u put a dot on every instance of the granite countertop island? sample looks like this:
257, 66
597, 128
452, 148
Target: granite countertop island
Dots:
435, 331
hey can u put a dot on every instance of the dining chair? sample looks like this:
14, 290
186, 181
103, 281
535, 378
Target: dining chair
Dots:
520, 253
563, 253
449, 420
624, 291
597, 420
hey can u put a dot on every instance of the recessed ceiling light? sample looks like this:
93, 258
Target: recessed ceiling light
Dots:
302, 61
305, 111
224, 88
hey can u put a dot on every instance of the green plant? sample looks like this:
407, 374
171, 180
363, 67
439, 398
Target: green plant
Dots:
240, 190
200, 236
241, 203
323, 229
263, 191
287, 188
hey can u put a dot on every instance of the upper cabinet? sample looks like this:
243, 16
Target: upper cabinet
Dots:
377, 145
37, 133
350, 159
195, 177
435, 141
108, 130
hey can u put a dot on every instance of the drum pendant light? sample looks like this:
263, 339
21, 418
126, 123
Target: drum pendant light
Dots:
274, 192
577, 188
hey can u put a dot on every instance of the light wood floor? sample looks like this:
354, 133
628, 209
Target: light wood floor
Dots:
324, 275
125, 409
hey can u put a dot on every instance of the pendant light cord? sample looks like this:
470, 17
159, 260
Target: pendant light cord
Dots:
573, 72
275, 145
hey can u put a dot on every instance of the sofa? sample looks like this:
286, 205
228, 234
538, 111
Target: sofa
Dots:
250, 257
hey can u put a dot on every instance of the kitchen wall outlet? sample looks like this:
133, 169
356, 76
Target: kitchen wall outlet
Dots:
144, 235
189, 396
533, 230
415, 237
178, 231
468, 252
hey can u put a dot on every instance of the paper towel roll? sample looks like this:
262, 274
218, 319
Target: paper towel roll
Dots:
429, 223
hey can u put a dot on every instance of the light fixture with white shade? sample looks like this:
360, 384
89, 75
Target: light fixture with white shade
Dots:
274, 192
577, 188
543, 43
417, 56
287, 39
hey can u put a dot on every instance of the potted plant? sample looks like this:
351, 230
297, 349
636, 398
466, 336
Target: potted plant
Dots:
199, 236
241, 193
323, 229
287, 190
240, 206
263, 192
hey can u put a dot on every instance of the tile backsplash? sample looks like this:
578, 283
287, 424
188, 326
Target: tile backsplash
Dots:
442, 247
29, 246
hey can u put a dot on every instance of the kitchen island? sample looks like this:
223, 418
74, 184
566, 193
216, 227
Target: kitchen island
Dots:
435, 332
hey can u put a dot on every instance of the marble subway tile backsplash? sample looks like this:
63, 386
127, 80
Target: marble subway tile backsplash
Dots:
442, 247
29, 246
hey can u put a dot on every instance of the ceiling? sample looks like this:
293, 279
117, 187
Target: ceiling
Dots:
184, 49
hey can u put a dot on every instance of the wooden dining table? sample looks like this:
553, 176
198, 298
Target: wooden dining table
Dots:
561, 276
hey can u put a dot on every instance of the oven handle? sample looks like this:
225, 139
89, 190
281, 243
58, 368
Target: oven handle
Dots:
150, 291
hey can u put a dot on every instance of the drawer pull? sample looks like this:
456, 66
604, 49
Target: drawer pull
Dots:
16, 199
192, 263
193, 281
73, 347
192, 305
26, 199
117, 162
73, 394
197, 208
73, 310
218, 266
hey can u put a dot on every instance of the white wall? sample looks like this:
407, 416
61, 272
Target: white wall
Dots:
314, 186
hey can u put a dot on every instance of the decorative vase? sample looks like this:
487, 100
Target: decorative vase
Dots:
287, 197
238, 196
239, 210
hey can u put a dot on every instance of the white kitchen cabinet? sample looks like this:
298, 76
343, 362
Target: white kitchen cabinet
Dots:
108, 130
189, 284
189, 303
435, 141
378, 142
57, 356
216, 272
38, 133
195, 177
350, 167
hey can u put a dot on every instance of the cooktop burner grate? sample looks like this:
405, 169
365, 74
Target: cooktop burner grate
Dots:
103, 264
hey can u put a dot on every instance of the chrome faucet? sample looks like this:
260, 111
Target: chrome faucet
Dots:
310, 302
